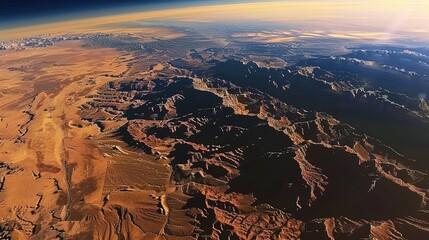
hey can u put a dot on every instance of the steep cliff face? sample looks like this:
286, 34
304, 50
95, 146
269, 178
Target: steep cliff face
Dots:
202, 147
246, 164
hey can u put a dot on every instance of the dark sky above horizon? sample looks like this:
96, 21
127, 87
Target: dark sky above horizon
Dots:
19, 9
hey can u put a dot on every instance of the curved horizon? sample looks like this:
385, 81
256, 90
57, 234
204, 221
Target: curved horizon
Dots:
398, 19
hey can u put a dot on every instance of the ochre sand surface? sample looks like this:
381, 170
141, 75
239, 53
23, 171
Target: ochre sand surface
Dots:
64, 176
43, 140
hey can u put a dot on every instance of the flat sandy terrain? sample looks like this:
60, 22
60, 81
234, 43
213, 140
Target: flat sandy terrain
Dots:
60, 174
59, 165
